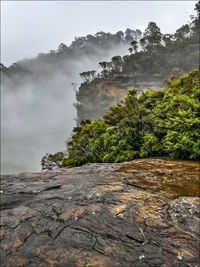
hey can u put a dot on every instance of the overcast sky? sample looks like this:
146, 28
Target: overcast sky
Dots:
31, 27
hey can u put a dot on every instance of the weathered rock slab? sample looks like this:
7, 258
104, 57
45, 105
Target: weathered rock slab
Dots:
132, 214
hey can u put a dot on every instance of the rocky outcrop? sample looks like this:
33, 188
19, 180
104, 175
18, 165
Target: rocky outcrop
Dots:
142, 213
96, 97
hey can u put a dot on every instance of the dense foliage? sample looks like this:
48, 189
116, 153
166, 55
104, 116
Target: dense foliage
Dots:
157, 123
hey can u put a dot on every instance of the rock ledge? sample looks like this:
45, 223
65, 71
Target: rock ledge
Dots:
142, 213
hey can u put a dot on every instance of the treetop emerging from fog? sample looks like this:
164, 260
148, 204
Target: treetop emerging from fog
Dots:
32, 27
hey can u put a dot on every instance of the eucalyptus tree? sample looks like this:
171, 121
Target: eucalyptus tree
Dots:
152, 34
87, 76
103, 64
117, 63
143, 43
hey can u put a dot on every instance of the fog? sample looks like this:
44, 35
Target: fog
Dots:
37, 113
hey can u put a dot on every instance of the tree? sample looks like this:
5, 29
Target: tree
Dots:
138, 34
51, 161
130, 50
119, 36
62, 47
93, 74
128, 35
134, 45
195, 21
90, 75
182, 33
103, 64
91, 39
78, 42
143, 43
167, 38
86, 76
131, 35
117, 63
152, 34
102, 37
197, 7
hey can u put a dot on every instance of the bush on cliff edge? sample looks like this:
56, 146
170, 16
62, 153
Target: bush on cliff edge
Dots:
157, 123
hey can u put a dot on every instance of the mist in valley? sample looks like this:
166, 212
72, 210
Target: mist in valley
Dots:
38, 114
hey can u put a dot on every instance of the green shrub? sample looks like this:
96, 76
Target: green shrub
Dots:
158, 122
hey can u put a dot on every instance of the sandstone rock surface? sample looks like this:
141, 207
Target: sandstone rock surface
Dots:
142, 213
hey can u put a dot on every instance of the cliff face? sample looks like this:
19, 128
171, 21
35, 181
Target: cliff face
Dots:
95, 98
142, 213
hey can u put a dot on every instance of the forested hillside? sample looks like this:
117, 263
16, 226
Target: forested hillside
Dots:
153, 58
90, 45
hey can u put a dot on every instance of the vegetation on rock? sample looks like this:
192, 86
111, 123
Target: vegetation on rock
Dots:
157, 123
